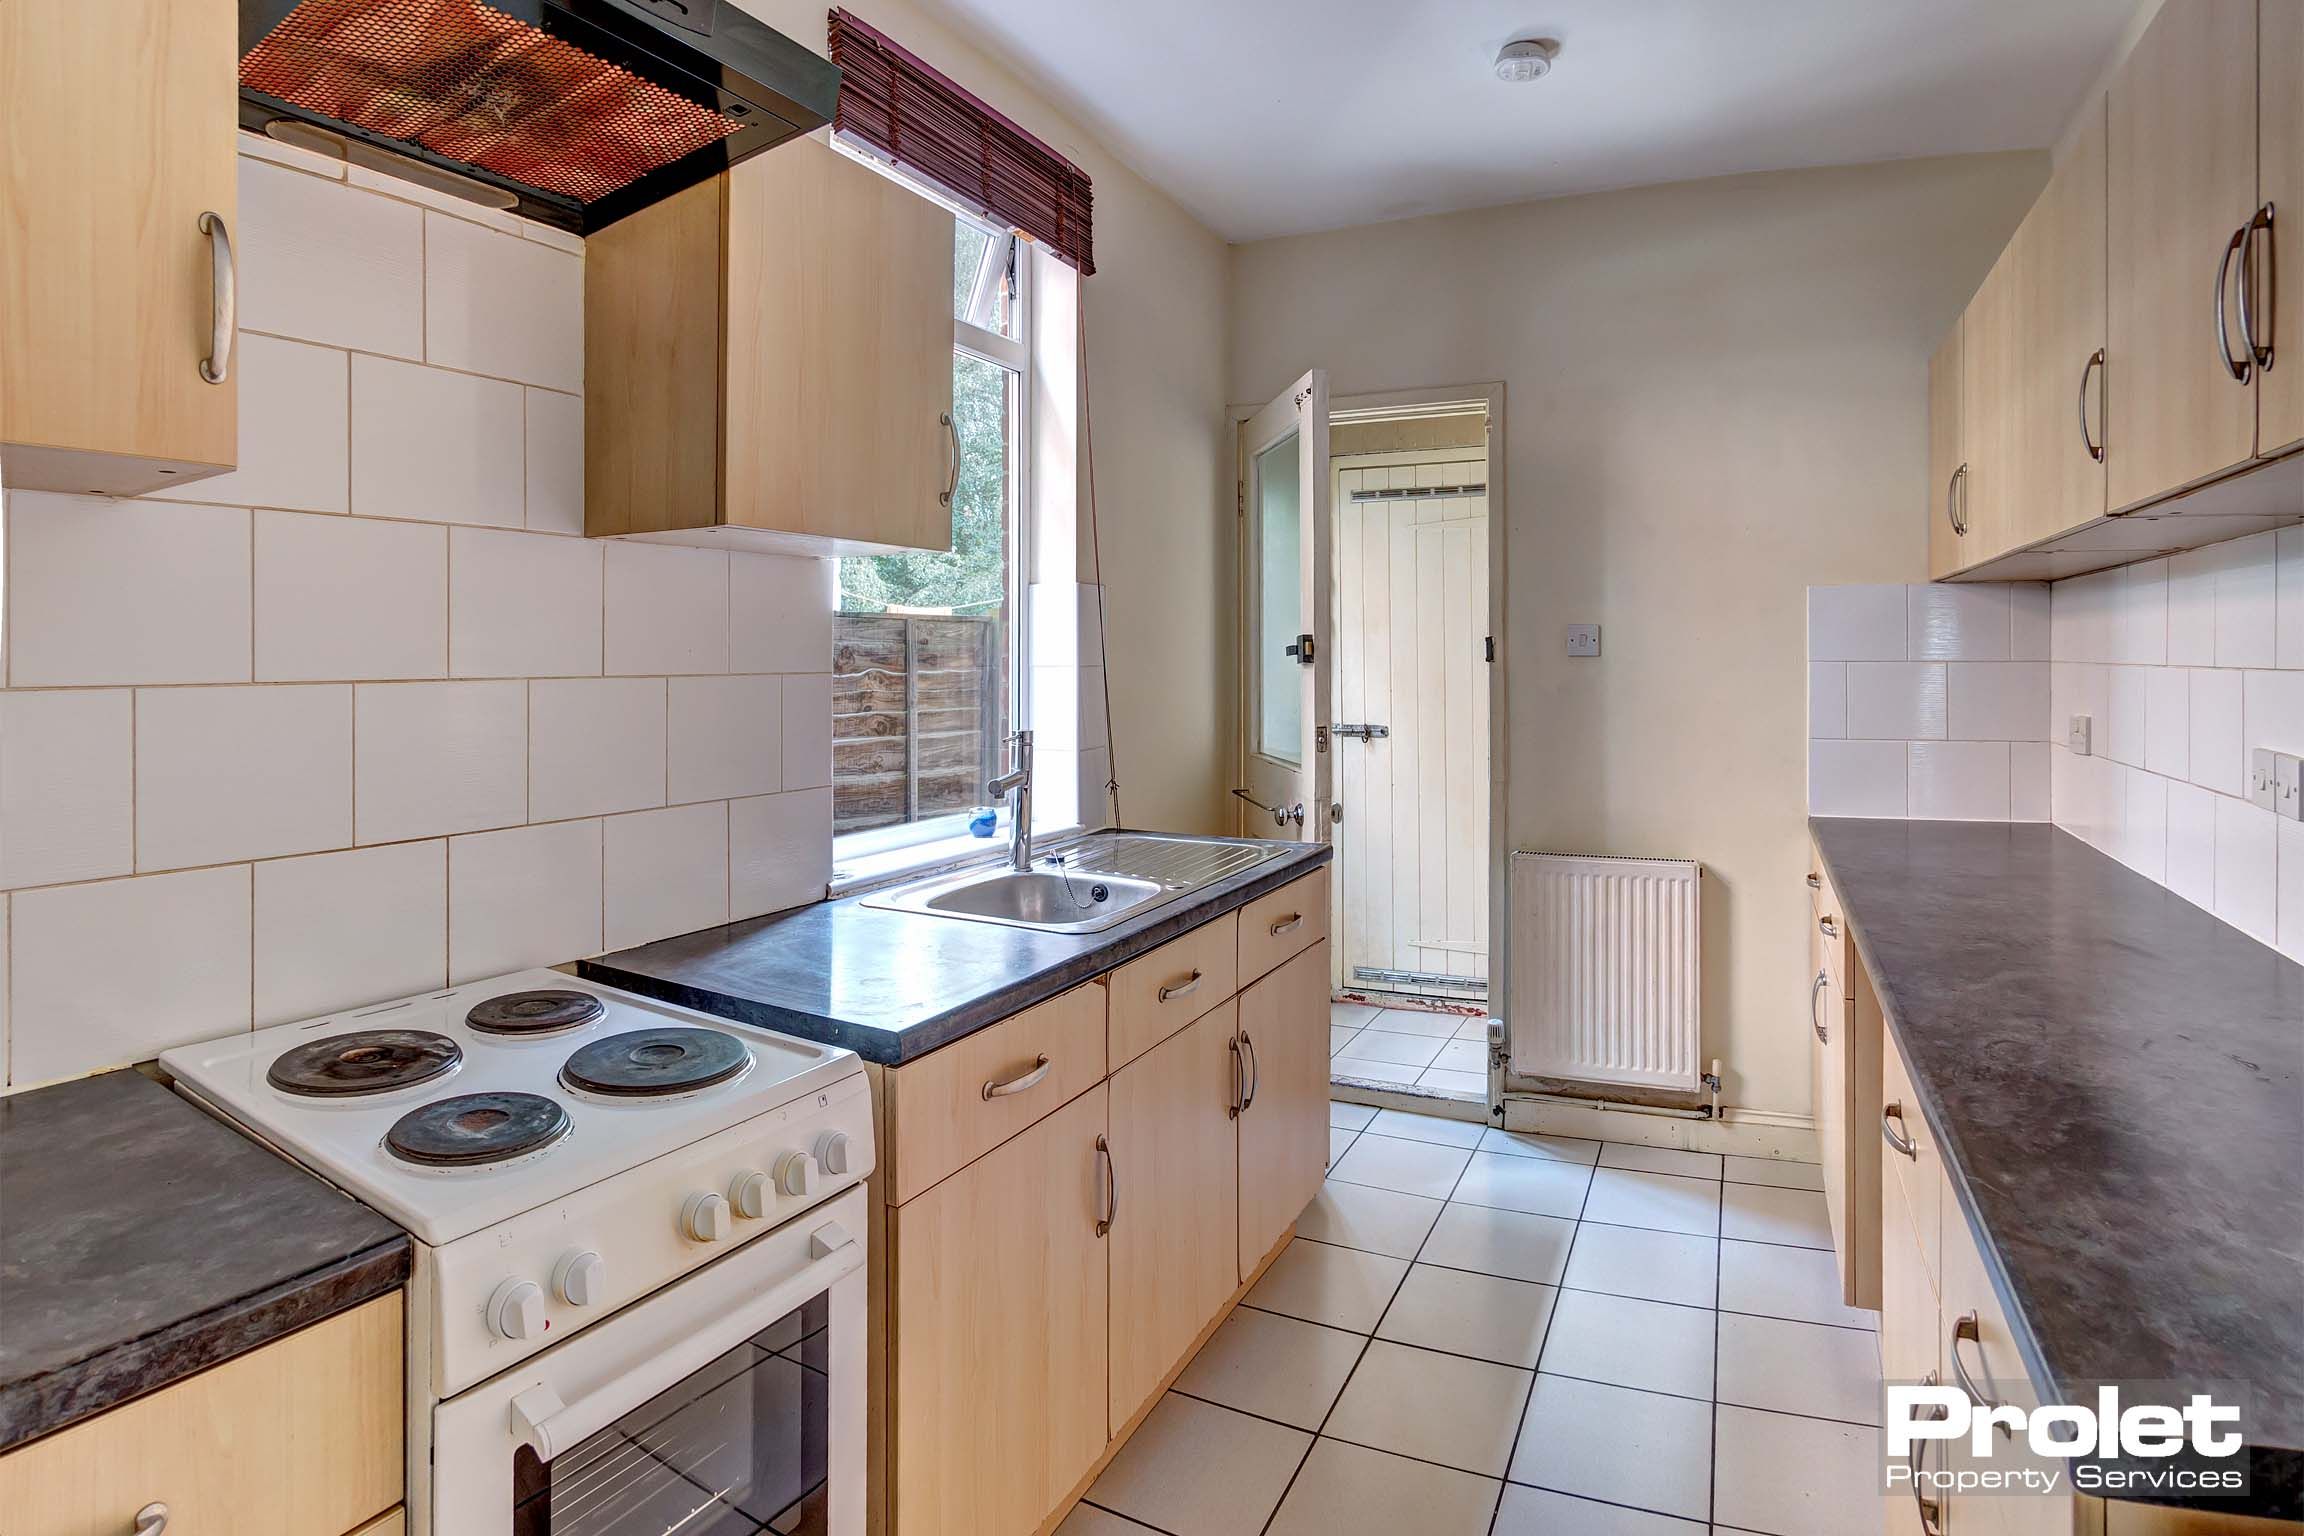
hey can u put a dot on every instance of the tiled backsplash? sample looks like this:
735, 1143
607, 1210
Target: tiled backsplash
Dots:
2185, 665
261, 759
1928, 701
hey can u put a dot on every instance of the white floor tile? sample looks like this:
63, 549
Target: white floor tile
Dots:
1756, 1213
1274, 1367
1798, 1283
1560, 1149
1352, 1117
1351, 1015
1776, 1171
1493, 1242
1339, 1037
1472, 1029
1635, 1448
1654, 1266
1459, 1413
1448, 1133
1664, 1201
1540, 1512
1399, 1050
1463, 1056
1689, 1165
1349, 1490
1470, 1084
1625, 1342
1536, 1185
1410, 1167
1374, 1220
1192, 1466
1087, 1520
1411, 1021
1338, 1140
1829, 1373
1794, 1477
1384, 1074
1485, 1316
1341, 1287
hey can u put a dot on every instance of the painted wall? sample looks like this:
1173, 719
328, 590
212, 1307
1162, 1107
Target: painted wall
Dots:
1716, 397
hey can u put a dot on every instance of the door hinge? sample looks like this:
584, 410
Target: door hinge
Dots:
1488, 647
1301, 650
1240, 498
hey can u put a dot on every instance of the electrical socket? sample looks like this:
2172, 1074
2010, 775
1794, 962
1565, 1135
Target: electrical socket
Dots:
1583, 639
2077, 734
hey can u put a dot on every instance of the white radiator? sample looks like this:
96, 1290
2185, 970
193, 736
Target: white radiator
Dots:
1607, 977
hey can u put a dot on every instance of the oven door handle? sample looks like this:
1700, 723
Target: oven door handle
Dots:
541, 1421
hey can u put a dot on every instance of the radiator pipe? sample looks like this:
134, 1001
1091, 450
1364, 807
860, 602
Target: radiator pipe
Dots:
1711, 1081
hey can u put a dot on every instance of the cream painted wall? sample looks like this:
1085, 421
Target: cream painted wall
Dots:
1155, 337
1715, 397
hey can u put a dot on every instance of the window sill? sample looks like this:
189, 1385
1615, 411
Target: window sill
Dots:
866, 871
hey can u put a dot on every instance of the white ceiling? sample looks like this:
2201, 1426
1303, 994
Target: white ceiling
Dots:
1269, 117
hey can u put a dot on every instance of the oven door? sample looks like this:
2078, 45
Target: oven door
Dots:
730, 1403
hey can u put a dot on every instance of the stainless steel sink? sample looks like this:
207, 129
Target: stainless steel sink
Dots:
1085, 886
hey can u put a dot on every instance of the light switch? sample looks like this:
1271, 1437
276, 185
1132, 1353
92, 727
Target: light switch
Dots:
2276, 782
1583, 639
2077, 734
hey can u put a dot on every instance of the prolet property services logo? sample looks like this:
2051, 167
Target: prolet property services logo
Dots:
2135, 1439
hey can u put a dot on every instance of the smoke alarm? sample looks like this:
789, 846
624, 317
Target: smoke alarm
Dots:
1527, 58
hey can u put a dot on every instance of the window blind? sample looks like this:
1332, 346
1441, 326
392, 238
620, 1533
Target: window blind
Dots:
922, 120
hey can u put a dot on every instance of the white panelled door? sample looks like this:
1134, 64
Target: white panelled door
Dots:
1287, 598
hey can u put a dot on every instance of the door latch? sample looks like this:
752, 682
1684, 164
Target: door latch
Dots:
1301, 650
1364, 732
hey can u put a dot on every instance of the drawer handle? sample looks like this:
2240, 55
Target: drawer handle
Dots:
1030, 1079
1239, 1083
1901, 1142
1248, 1094
1967, 1331
1915, 1462
1181, 989
1826, 926
1815, 881
1288, 924
1816, 1020
152, 1520
224, 309
1111, 1190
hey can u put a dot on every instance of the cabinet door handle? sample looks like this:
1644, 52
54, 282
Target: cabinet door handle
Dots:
2258, 352
1967, 1331
1901, 1142
152, 1519
2087, 439
2232, 247
1031, 1079
1826, 926
217, 365
1248, 1094
1815, 1020
1956, 501
1288, 924
1916, 1463
1815, 881
1111, 1190
952, 479
1239, 1083
1183, 988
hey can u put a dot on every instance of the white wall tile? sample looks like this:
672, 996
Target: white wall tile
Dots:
259, 146
66, 787
522, 605
2168, 721
2218, 763
779, 614
1857, 623
1856, 778
294, 447
2244, 601
779, 851
125, 592
2291, 855
2124, 735
521, 897
427, 443
120, 970
2192, 844
447, 202
1055, 788
667, 609
1095, 787
1996, 700
1896, 700
2247, 868
545, 234
2191, 608
1960, 780
725, 737
2028, 621
338, 930
1055, 613
241, 773
2086, 609
2288, 601
1095, 613
595, 745
555, 457
2144, 848
1959, 623
436, 758
663, 872
807, 731
349, 597
1056, 707
501, 305
2028, 788
2272, 711
324, 262
1827, 700
2140, 637
1093, 719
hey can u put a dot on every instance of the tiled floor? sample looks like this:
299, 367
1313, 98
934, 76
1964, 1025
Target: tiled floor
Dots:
1409, 1048
1487, 1334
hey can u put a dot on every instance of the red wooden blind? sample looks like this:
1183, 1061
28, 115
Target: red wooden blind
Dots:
925, 122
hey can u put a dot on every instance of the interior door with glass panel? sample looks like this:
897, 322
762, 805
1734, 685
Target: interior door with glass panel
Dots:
1286, 599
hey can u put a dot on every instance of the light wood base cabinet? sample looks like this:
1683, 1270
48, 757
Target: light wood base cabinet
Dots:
1844, 1075
1284, 1124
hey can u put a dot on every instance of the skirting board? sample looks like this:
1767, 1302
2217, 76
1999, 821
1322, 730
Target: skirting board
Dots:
1743, 1132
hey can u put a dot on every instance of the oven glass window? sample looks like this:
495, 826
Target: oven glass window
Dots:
737, 1449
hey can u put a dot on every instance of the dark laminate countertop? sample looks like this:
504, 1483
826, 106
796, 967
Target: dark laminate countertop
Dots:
892, 986
142, 1240
2117, 1082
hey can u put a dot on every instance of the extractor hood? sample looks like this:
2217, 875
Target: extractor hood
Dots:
571, 112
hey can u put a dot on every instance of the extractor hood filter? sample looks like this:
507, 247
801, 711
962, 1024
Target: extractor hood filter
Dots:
576, 112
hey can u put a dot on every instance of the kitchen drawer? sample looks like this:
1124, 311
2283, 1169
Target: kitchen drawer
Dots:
299, 1438
1918, 1173
1276, 928
954, 1105
1155, 995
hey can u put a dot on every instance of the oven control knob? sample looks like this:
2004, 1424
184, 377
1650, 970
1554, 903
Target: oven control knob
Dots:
751, 1194
832, 1152
516, 1311
581, 1277
705, 1217
796, 1174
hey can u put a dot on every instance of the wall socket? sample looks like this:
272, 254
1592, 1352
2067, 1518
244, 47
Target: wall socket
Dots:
1583, 639
2276, 782
2077, 734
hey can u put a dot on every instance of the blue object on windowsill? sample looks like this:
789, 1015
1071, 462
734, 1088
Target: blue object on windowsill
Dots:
984, 823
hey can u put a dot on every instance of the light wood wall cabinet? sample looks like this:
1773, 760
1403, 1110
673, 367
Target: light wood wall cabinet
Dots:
115, 311
768, 363
1947, 465
299, 1438
1056, 1243
2280, 186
